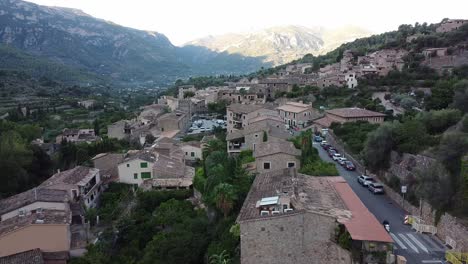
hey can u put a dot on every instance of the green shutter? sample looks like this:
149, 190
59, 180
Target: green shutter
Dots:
144, 165
146, 175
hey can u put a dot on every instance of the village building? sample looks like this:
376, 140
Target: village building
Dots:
434, 52
351, 80
174, 121
107, 164
136, 167
239, 114
77, 136
83, 184
47, 230
169, 101
257, 132
344, 115
294, 218
276, 155
162, 167
150, 113
33, 200
185, 89
297, 114
87, 103
450, 25
242, 95
192, 150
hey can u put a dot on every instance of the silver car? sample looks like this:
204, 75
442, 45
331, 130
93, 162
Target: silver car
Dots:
365, 180
376, 188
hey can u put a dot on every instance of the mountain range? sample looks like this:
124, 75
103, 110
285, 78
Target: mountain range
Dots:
280, 45
72, 46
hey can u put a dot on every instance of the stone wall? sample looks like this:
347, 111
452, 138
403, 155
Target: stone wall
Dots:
300, 238
403, 166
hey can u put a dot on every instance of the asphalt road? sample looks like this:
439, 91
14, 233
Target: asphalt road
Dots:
416, 247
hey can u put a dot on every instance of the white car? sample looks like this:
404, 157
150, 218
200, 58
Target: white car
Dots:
365, 180
336, 156
342, 160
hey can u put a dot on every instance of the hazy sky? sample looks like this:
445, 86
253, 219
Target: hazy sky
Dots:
184, 20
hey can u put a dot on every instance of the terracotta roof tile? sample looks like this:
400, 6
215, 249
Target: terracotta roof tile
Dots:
271, 148
363, 225
33, 256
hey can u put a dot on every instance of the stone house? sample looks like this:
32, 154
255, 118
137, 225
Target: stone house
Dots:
169, 101
434, 52
107, 164
296, 114
344, 115
119, 130
150, 113
173, 121
77, 136
87, 103
184, 89
276, 155
243, 95
293, 218
83, 184
192, 150
248, 138
239, 114
337, 80
450, 25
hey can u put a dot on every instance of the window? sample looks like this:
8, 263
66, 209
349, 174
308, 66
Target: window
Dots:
192, 154
266, 165
256, 135
144, 165
146, 175
291, 164
128, 165
135, 175
186, 153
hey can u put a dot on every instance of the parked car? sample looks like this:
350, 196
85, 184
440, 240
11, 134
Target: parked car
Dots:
376, 188
331, 153
365, 180
327, 146
318, 139
349, 166
342, 161
336, 156
323, 143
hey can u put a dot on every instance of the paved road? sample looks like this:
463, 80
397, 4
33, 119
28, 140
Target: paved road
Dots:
417, 248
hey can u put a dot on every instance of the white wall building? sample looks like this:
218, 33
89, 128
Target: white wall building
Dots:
351, 80
136, 168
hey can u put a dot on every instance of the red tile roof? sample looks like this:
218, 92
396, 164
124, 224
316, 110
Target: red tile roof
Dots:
363, 225
324, 121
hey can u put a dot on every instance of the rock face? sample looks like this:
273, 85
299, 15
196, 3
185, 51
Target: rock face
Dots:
279, 45
404, 166
72, 38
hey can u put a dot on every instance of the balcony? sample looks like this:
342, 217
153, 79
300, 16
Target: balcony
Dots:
236, 146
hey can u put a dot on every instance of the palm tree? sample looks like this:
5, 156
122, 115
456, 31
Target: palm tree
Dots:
225, 195
221, 258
